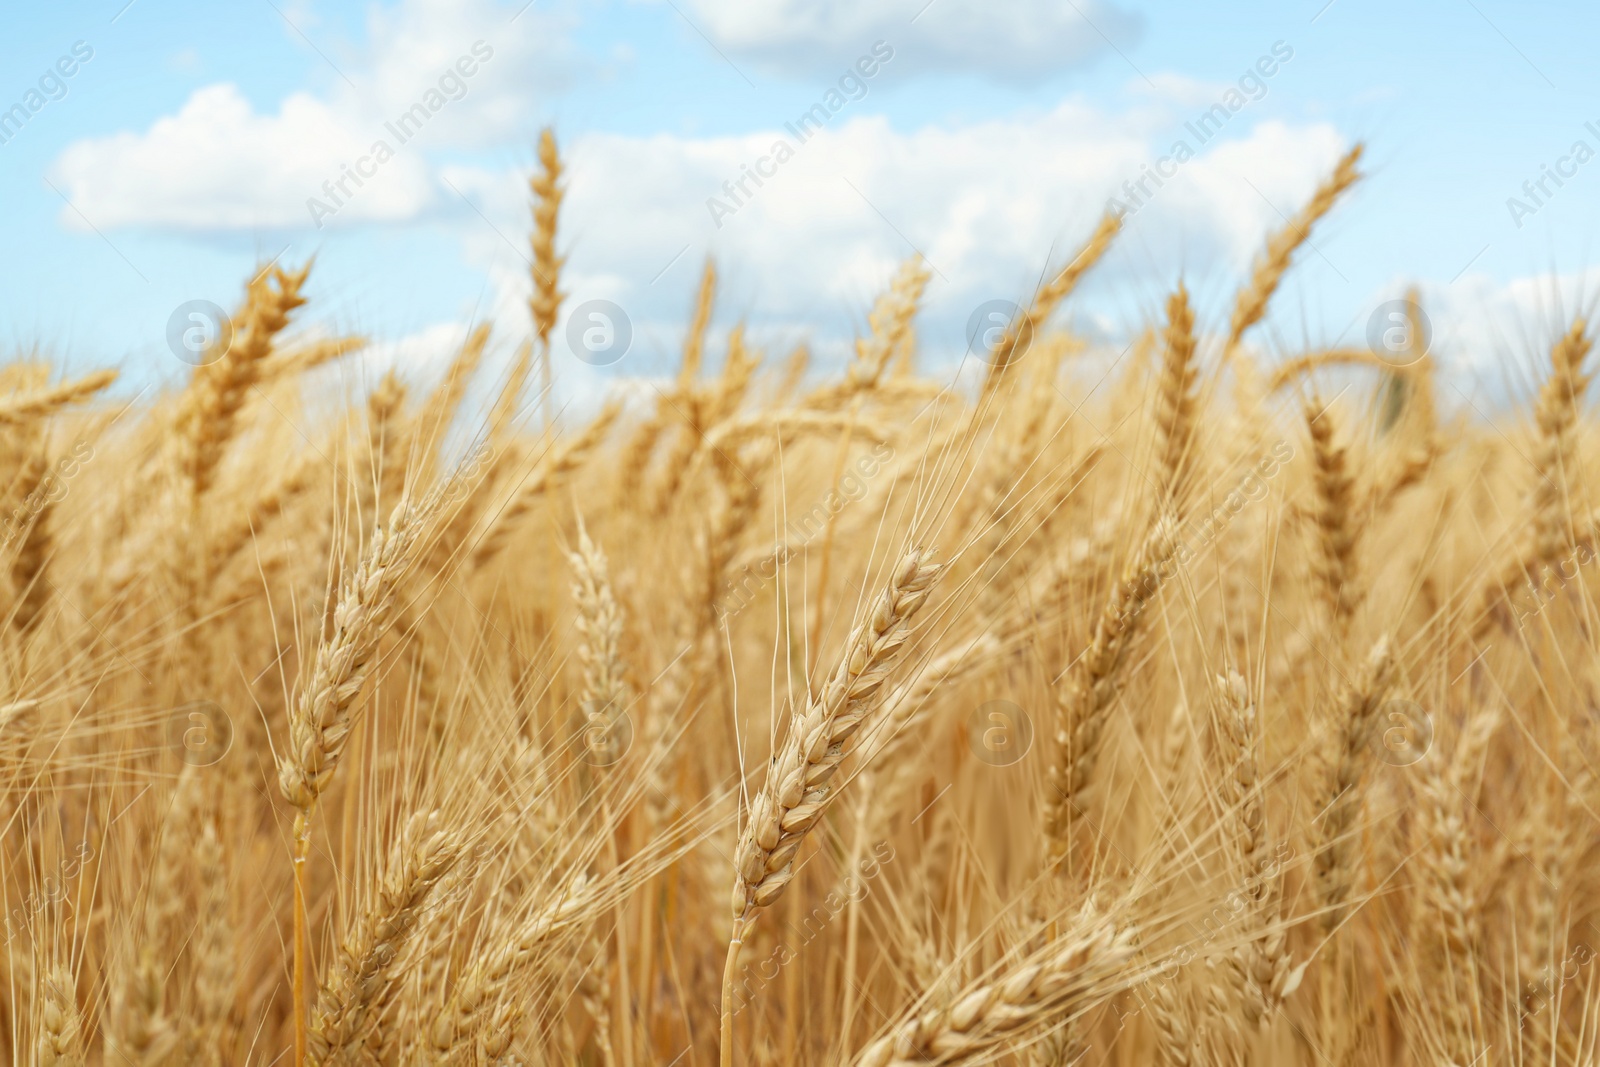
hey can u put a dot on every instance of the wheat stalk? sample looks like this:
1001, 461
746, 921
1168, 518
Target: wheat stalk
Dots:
322, 713
799, 780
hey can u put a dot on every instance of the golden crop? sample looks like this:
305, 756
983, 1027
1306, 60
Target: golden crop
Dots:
1177, 708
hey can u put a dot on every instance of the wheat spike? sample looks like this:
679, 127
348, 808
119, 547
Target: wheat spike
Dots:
1047, 299
545, 303
363, 980
1448, 907
799, 780
432, 421
215, 955
1251, 304
1054, 985
797, 789
1092, 685
28, 581
321, 715
1550, 531
60, 1022
1355, 717
1263, 967
208, 408
456, 1028
889, 323
1175, 399
23, 408
599, 624
1336, 526
1170, 1018
296, 361
694, 340
1556, 414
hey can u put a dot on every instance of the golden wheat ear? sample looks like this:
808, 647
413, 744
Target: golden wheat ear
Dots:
545, 303
1251, 304
1092, 683
1020, 333
209, 406
322, 712
365, 976
23, 408
799, 786
1175, 399
60, 1033
1347, 763
1337, 526
1080, 969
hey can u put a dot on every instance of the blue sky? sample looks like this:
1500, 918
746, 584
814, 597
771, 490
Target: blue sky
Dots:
182, 154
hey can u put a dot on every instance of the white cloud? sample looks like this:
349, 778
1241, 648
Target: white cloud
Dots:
412, 46
990, 204
1496, 327
1021, 41
420, 355
218, 164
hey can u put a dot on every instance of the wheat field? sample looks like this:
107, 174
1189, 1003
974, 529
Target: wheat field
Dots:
1191, 703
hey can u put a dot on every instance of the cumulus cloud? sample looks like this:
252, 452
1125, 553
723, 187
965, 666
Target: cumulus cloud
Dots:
989, 204
1502, 328
1022, 41
410, 47
218, 164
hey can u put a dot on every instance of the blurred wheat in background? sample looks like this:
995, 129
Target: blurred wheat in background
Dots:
1177, 706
